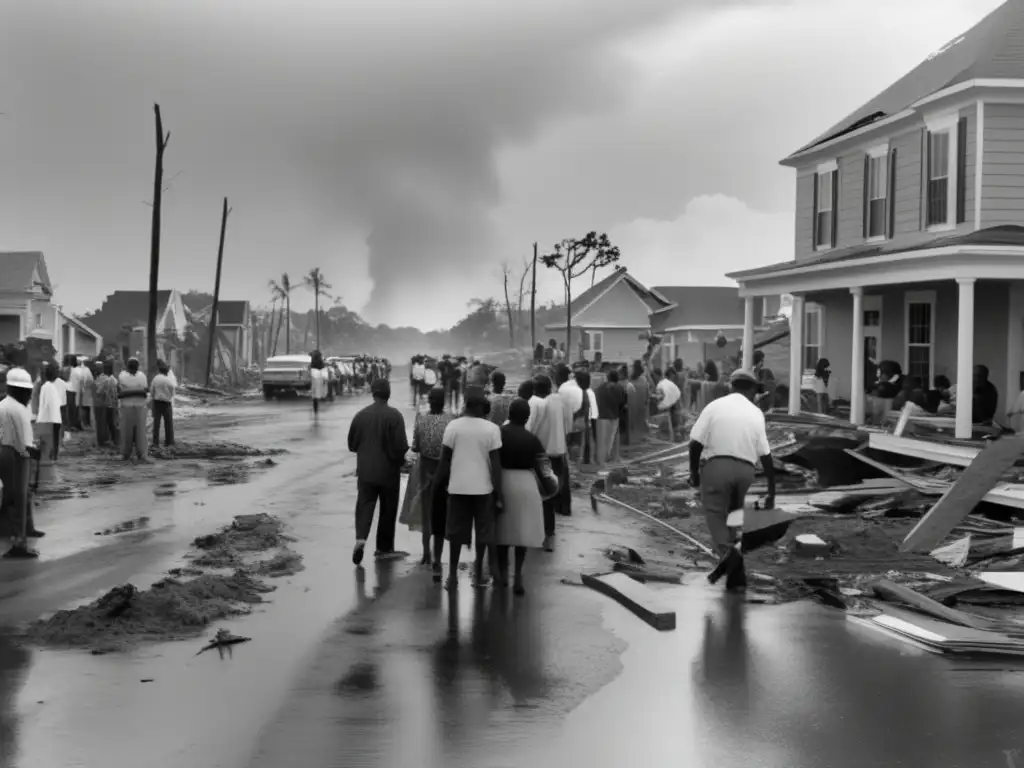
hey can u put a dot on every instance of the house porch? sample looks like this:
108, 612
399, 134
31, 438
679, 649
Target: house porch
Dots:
889, 306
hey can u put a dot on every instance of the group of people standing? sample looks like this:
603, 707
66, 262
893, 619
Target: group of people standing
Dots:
454, 374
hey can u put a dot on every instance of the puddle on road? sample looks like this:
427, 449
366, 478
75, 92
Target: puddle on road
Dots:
363, 677
126, 527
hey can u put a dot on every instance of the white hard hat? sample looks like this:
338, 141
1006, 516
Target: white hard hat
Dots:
18, 377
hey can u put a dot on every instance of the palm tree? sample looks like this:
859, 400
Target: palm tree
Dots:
320, 287
273, 317
283, 290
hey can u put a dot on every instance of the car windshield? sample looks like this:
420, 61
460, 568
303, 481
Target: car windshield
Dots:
286, 364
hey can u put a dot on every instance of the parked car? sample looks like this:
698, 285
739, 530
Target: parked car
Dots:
285, 374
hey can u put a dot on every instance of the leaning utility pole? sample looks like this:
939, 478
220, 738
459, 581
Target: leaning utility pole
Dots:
216, 292
154, 246
533, 303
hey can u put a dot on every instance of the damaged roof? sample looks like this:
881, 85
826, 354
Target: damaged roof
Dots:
17, 269
992, 48
694, 305
125, 308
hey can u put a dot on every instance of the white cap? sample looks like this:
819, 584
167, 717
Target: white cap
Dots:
18, 377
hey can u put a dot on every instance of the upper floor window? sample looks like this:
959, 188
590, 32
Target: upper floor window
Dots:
945, 153
876, 192
826, 203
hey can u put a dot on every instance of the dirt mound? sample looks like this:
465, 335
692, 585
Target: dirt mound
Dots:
209, 450
246, 535
170, 610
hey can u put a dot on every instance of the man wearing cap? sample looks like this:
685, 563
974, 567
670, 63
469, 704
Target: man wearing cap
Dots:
377, 437
726, 444
16, 451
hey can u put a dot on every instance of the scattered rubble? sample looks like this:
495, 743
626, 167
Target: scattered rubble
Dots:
223, 580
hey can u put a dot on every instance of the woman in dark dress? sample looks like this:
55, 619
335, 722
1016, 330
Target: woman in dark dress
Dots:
521, 523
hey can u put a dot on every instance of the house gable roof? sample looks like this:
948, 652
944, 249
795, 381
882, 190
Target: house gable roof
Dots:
232, 312
19, 269
992, 48
592, 295
696, 305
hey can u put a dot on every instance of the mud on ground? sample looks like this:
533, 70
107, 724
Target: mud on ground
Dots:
224, 580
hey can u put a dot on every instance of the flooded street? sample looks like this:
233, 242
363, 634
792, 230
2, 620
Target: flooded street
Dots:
381, 667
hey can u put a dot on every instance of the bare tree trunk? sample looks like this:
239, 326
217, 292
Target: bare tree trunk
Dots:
316, 305
508, 313
216, 292
305, 335
288, 324
280, 322
568, 321
154, 245
533, 303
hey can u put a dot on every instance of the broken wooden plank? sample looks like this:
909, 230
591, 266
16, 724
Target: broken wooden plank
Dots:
965, 494
888, 590
1009, 580
633, 596
928, 450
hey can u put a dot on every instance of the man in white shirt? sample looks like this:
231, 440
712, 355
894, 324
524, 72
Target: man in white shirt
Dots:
669, 399
471, 463
419, 370
132, 389
727, 443
16, 452
551, 426
49, 419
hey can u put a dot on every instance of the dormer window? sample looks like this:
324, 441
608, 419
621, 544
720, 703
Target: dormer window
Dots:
826, 204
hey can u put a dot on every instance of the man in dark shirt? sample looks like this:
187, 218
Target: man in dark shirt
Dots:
611, 402
986, 396
377, 437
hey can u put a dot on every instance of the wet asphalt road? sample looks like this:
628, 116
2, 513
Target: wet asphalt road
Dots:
379, 667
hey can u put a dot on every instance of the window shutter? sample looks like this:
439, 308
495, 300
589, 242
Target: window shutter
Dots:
961, 170
867, 195
890, 196
814, 214
835, 207
926, 173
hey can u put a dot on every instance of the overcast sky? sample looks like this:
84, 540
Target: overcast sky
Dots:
408, 147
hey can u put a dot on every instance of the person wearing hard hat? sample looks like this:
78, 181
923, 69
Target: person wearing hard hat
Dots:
17, 449
727, 443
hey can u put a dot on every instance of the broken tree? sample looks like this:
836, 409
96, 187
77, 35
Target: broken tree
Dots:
574, 258
154, 245
216, 291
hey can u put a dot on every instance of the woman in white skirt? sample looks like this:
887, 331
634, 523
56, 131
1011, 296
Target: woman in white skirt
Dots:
319, 379
521, 524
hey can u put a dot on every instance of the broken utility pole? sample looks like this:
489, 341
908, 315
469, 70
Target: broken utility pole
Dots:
154, 246
216, 292
533, 304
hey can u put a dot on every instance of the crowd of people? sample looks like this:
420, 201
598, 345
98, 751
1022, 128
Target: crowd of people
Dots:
494, 471
40, 411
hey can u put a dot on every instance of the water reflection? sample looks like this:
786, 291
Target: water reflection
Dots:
14, 663
721, 673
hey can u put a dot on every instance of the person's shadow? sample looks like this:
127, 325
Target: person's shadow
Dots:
14, 662
721, 674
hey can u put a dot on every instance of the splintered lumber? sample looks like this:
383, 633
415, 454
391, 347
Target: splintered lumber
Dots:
965, 494
888, 590
940, 637
928, 450
633, 596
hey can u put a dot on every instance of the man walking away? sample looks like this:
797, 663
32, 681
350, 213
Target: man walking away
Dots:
471, 466
551, 424
105, 404
49, 419
87, 395
16, 454
163, 405
418, 372
377, 437
74, 393
132, 388
726, 443
611, 404
669, 398
500, 400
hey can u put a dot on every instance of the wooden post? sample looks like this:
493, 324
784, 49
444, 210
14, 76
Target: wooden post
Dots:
216, 292
533, 303
154, 245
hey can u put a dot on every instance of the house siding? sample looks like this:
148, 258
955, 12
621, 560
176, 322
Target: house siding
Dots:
620, 306
907, 197
992, 313
1002, 194
620, 345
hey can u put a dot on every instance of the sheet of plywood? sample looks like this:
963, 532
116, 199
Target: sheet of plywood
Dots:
965, 494
1009, 580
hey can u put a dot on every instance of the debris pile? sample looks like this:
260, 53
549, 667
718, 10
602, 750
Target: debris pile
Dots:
201, 449
223, 580
895, 530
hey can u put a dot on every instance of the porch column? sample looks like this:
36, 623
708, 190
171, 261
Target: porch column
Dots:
796, 354
965, 358
857, 368
748, 333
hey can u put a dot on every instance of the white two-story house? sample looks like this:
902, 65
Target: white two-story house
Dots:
916, 199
